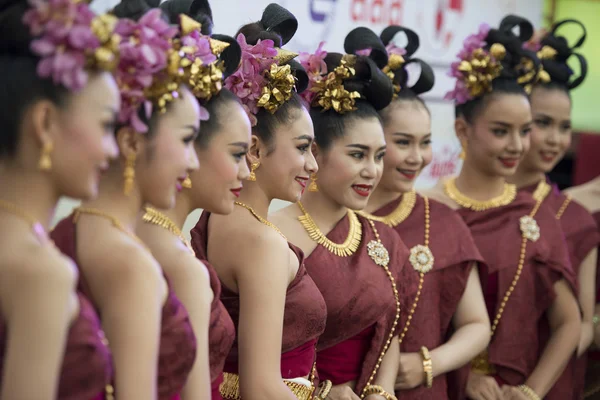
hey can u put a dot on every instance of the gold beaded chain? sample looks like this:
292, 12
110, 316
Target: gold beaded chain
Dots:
113, 220
383, 263
542, 191
400, 213
422, 261
155, 217
507, 197
345, 249
259, 218
529, 231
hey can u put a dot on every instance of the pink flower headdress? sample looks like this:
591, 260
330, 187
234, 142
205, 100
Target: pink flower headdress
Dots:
155, 64
262, 81
326, 88
476, 68
71, 40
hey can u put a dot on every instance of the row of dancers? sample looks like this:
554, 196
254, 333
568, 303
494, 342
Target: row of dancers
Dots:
483, 287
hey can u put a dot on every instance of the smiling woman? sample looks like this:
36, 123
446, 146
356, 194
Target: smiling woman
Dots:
527, 282
352, 259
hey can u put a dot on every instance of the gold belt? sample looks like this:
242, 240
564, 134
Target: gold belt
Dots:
230, 388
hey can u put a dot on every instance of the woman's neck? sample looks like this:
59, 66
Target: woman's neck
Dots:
478, 186
113, 201
381, 197
254, 196
524, 177
183, 207
323, 210
31, 191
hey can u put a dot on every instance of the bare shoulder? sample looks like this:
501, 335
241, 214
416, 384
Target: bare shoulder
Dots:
30, 271
584, 195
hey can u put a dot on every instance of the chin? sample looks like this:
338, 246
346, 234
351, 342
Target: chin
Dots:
225, 208
165, 203
357, 205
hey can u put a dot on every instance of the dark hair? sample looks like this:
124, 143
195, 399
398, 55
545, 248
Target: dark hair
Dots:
561, 75
197, 9
20, 85
374, 87
512, 70
216, 107
279, 25
426, 79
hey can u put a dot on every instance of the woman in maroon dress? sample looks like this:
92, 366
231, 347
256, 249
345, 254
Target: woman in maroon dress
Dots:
449, 320
526, 282
57, 131
550, 139
357, 264
276, 308
588, 195
126, 284
220, 146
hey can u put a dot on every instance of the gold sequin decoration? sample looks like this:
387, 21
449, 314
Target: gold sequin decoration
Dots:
278, 90
481, 69
331, 92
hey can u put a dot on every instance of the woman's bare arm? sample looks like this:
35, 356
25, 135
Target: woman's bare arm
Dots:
38, 303
587, 299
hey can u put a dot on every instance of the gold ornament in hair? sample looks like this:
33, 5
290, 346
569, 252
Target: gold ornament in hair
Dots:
106, 56
278, 89
331, 92
482, 68
395, 61
185, 67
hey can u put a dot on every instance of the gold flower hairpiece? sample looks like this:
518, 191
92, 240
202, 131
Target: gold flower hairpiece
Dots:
105, 57
278, 90
481, 69
331, 92
395, 61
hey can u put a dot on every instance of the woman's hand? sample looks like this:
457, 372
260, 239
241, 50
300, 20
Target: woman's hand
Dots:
410, 372
343, 392
482, 387
513, 393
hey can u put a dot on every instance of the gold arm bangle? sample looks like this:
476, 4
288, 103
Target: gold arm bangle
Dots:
529, 392
427, 367
378, 390
324, 390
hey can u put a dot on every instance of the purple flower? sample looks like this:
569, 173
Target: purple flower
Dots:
315, 67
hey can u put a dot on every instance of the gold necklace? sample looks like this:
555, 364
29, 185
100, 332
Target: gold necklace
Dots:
400, 213
155, 217
542, 191
36, 227
507, 197
114, 221
530, 231
259, 218
380, 256
345, 249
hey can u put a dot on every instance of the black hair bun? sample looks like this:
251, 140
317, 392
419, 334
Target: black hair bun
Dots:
557, 66
277, 24
512, 63
369, 81
199, 10
362, 38
135, 9
231, 56
426, 78
15, 39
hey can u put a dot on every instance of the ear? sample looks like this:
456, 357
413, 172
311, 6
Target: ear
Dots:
44, 117
253, 154
462, 128
129, 142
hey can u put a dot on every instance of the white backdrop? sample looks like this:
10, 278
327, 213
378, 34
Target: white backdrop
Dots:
441, 24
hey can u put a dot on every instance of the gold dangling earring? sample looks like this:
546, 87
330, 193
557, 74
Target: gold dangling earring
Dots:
129, 174
312, 187
253, 167
187, 183
45, 163
463, 152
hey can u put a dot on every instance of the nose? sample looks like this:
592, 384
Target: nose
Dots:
244, 171
310, 164
370, 169
552, 137
414, 156
193, 162
111, 149
518, 143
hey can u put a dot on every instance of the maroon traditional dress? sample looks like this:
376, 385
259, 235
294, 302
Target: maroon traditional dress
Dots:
516, 347
581, 234
221, 334
453, 254
177, 351
304, 314
361, 304
592, 373
87, 365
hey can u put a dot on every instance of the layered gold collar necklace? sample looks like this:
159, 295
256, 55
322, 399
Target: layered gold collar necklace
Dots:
508, 196
154, 217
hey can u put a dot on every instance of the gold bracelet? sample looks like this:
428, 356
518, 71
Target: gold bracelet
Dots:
324, 390
427, 367
378, 390
529, 392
